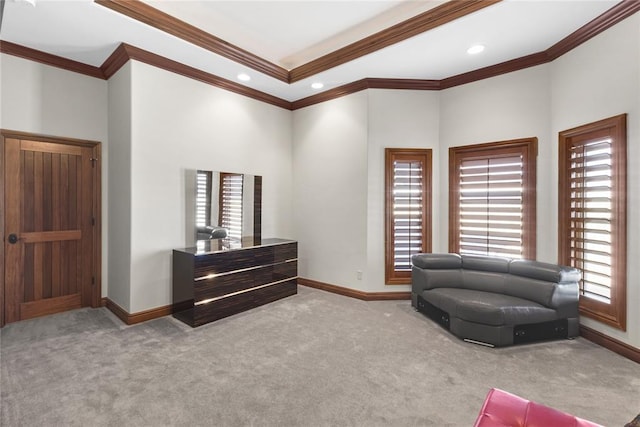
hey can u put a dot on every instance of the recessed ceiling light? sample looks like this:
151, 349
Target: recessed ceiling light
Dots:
317, 85
475, 49
244, 77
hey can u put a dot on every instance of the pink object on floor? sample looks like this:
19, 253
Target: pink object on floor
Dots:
502, 409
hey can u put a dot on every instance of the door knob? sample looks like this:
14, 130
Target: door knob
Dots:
13, 239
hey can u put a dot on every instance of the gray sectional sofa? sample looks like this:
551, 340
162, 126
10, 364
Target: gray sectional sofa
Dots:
496, 301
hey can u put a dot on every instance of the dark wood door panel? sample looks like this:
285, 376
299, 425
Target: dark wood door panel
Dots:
29, 310
51, 269
51, 201
51, 190
51, 236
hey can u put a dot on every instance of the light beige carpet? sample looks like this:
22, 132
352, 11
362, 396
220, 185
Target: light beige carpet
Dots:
314, 359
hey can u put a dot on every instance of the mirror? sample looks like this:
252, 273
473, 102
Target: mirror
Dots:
222, 205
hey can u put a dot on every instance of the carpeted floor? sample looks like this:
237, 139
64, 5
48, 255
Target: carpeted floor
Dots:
314, 359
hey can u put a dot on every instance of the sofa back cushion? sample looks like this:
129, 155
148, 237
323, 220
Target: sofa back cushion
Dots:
484, 281
540, 282
438, 270
484, 273
437, 261
444, 279
485, 263
530, 289
544, 271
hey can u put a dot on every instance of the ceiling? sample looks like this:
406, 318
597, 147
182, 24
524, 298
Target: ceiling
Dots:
291, 35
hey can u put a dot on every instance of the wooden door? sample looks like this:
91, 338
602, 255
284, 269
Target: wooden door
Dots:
50, 233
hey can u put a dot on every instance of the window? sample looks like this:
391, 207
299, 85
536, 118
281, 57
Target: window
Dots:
231, 204
407, 210
592, 215
492, 199
203, 198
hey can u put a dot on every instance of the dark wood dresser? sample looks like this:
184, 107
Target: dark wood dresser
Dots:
222, 278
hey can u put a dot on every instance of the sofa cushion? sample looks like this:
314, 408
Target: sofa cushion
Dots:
437, 261
486, 281
438, 278
488, 308
485, 263
544, 271
531, 289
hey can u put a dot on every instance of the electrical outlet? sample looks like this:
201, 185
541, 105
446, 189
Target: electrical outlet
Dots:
359, 274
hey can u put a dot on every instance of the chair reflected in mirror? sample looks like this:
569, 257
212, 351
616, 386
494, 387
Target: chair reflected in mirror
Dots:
209, 232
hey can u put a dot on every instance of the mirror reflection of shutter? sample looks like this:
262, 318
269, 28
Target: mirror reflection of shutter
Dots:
590, 216
231, 204
491, 206
407, 212
203, 198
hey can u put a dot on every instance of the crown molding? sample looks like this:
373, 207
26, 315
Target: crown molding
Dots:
370, 83
608, 19
125, 52
409, 84
330, 94
426, 21
611, 17
149, 15
495, 70
419, 24
48, 59
118, 58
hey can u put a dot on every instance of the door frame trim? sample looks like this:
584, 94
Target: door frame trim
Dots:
96, 289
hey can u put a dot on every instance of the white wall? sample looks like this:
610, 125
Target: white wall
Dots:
119, 175
597, 80
402, 119
179, 124
339, 180
330, 189
45, 100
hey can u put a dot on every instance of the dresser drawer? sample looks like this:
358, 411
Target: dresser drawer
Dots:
232, 282
222, 262
228, 306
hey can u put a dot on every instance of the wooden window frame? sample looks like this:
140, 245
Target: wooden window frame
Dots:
614, 313
424, 155
528, 147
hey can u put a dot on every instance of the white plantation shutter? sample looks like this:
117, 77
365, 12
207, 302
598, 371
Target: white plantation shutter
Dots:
492, 199
590, 216
408, 210
491, 206
231, 204
203, 198
408, 207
